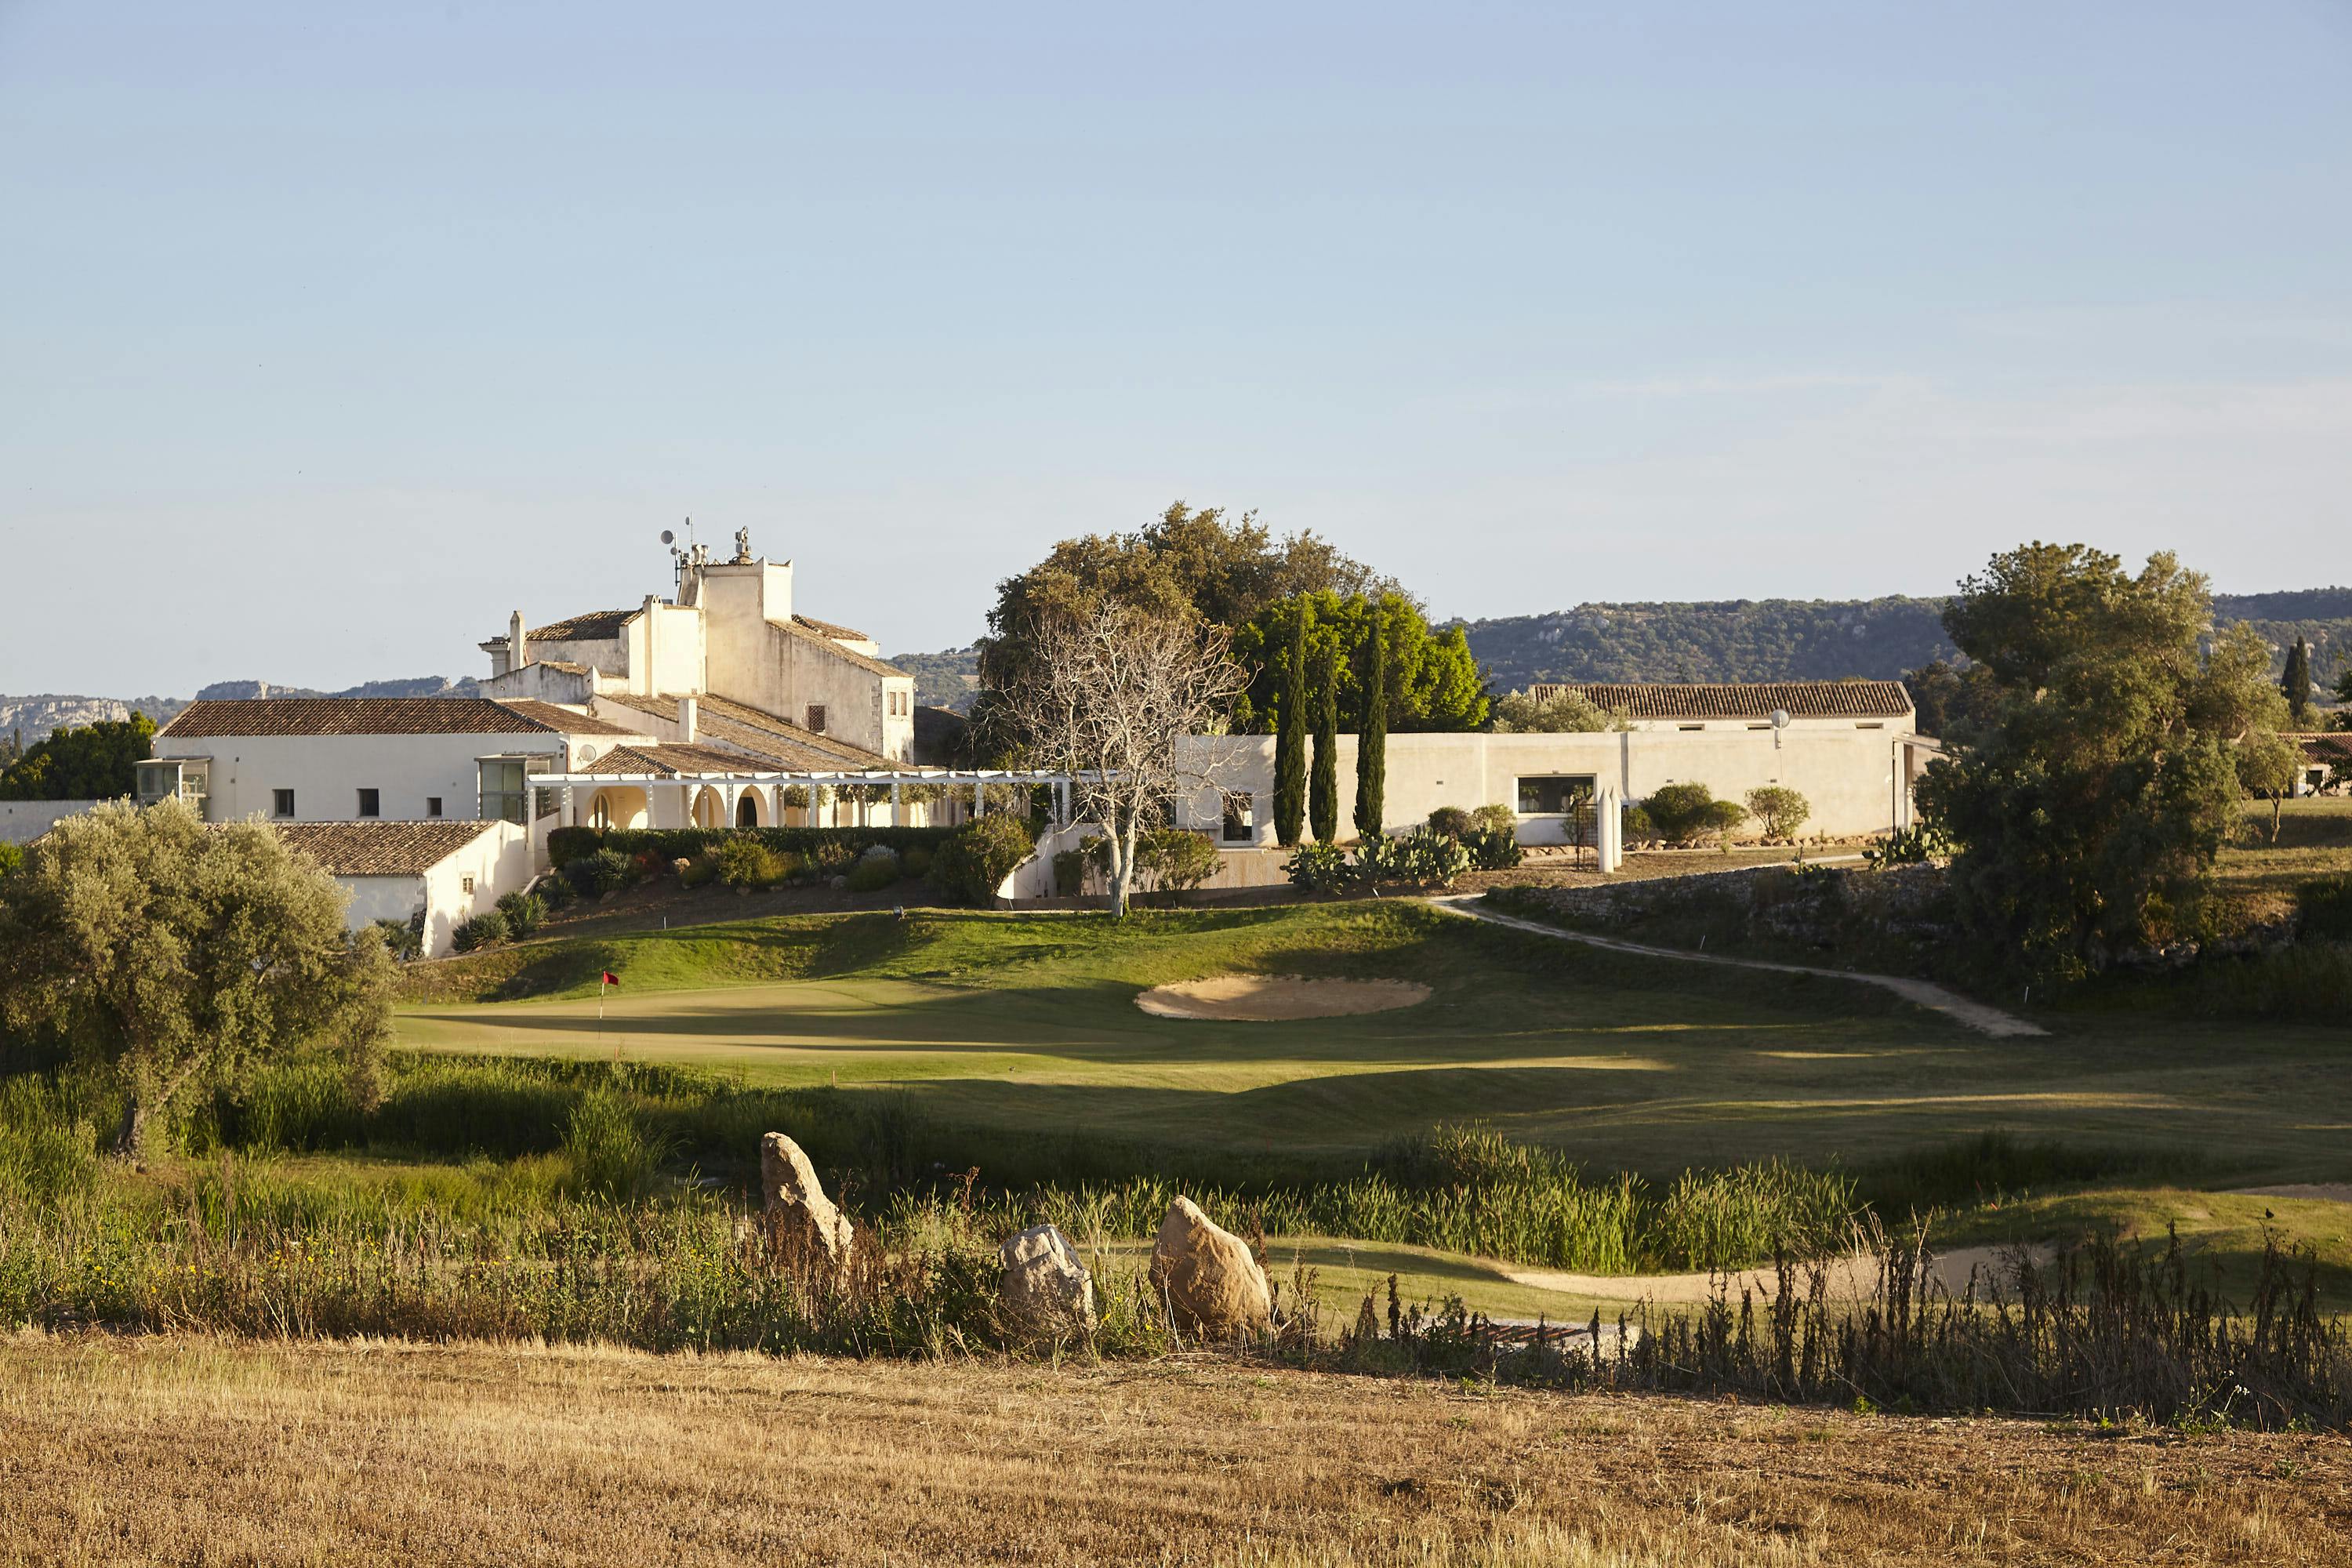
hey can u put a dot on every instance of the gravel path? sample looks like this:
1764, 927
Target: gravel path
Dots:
1925, 993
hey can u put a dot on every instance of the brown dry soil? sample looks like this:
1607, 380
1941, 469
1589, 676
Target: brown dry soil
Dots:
192, 1450
1276, 998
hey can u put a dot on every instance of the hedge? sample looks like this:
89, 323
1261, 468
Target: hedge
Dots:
566, 845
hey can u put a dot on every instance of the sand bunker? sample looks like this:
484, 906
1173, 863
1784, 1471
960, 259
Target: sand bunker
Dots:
1273, 997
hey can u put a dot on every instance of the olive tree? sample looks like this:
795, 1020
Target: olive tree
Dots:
1109, 698
176, 954
2268, 767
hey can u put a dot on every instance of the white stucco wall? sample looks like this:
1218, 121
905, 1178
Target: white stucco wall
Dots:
498, 863
22, 821
1852, 778
540, 682
327, 772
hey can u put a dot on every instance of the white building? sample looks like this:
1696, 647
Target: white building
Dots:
1851, 748
444, 873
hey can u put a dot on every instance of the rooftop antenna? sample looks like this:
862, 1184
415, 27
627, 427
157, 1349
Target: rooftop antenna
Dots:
679, 556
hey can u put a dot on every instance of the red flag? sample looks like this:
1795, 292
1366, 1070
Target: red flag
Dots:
610, 978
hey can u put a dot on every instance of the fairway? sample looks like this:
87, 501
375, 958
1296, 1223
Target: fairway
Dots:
1018, 1023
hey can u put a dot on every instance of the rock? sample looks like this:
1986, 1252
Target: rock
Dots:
1205, 1275
799, 1215
1046, 1292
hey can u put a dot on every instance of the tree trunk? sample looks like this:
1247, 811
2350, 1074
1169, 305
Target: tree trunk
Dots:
133, 1128
1122, 870
2278, 805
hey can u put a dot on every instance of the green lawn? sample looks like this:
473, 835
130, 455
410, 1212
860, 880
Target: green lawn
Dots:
1025, 1026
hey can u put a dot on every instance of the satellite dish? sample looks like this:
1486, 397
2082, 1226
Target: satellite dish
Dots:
667, 537
1780, 718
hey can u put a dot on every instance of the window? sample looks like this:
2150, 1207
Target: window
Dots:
1763, 726
464, 884
504, 794
1870, 726
166, 778
432, 805
1555, 795
1692, 726
1241, 817
369, 804
281, 803
816, 718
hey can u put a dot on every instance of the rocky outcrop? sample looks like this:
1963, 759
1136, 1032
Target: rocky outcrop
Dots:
1047, 1293
799, 1217
1204, 1274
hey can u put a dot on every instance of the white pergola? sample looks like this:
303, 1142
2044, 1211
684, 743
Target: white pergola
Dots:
733, 783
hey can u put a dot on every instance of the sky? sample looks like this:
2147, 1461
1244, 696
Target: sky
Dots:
333, 333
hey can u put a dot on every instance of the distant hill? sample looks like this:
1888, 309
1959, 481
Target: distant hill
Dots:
949, 678
33, 718
1817, 639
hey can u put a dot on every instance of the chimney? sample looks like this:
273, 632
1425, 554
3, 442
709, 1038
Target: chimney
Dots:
518, 644
690, 717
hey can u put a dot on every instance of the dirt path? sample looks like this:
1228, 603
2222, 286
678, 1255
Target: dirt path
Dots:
1925, 993
1850, 1278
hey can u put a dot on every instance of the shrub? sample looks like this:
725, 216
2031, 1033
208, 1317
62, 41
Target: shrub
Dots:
524, 913
1912, 846
917, 860
1495, 818
1432, 860
832, 857
1684, 813
11, 857
970, 865
2322, 908
649, 864
600, 871
1637, 824
1450, 820
484, 930
1492, 849
555, 891
873, 872
1176, 859
1070, 872
744, 862
405, 939
1320, 868
1781, 811
697, 871
568, 843
609, 1154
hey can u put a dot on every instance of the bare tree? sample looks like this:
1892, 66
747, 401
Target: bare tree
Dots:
1110, 700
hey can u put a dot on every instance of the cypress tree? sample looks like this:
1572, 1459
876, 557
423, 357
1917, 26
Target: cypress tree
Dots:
1372, 734
2296, 682
1323, 792
1291, 735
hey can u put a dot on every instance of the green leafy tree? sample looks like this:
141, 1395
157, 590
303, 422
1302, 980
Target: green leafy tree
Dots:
1323, 792
2088, 809
1560, 712
1686, 813
175, 955
1188, 565
1432, 681
1291, 735
2268, 766
1951, 700
95, 763
2295, 684
1372, 735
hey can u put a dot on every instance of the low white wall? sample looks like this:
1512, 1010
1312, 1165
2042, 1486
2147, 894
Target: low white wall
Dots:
1854, 778
22, 821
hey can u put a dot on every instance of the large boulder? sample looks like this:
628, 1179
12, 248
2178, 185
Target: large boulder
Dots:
1047, 1293
799, 1216
1204, 1273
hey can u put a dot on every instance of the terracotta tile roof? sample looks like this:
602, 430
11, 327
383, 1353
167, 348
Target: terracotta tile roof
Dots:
759, 734
670, 759
379, 849
596, 626
2324, 746
828, 629
562, 719
1799, 698
357, 716
861, 660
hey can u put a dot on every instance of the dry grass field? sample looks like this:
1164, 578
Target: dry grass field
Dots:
191, 1450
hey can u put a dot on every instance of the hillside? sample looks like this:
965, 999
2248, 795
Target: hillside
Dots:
949, 678
1818, 639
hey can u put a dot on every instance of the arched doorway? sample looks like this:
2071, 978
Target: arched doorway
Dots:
747, 809
615, 807
710, 811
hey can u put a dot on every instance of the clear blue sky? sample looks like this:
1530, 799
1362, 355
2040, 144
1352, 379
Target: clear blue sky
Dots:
334, 331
